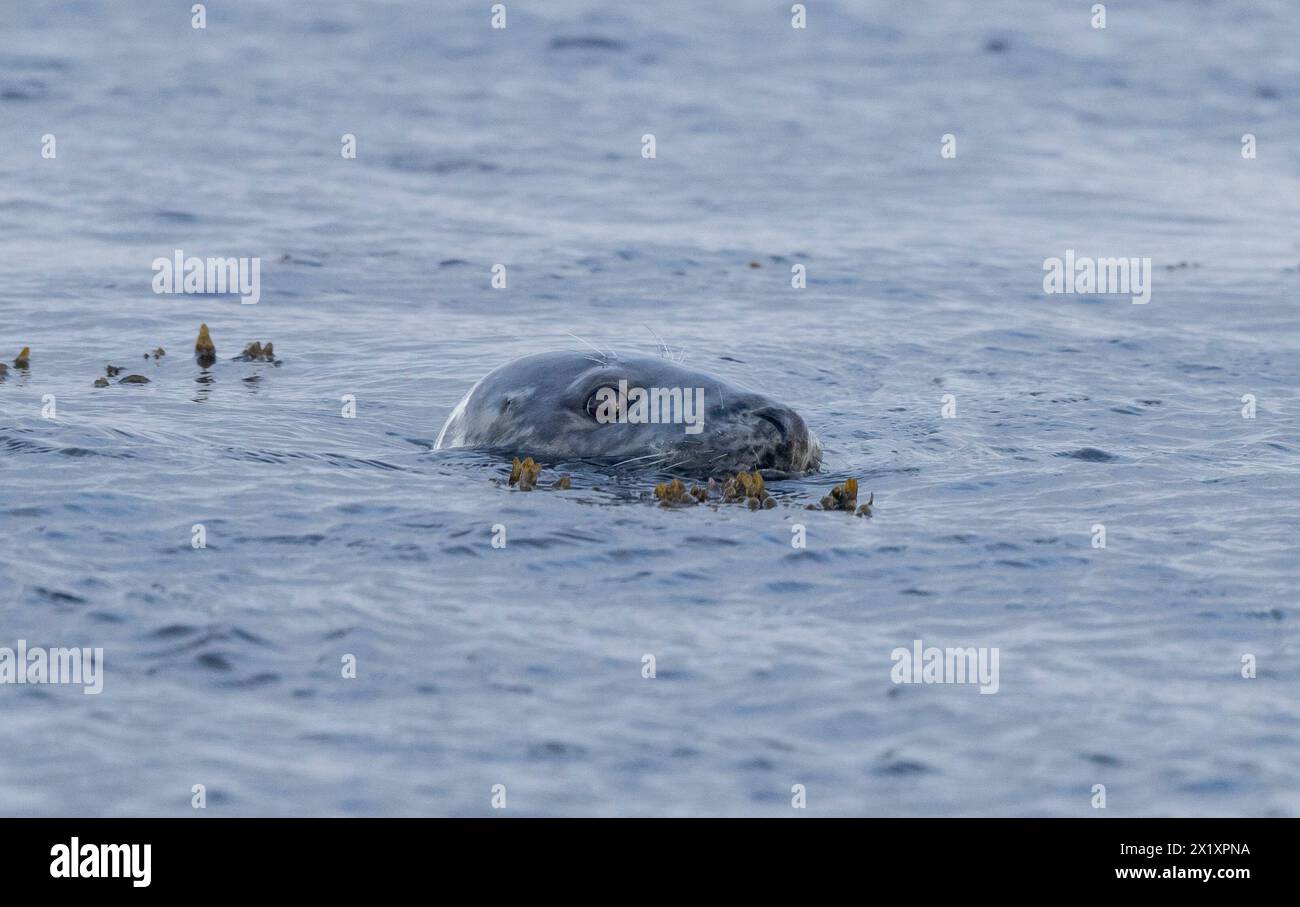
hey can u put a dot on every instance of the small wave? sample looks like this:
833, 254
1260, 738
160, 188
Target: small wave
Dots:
418, 162
286, 457
24, 90
1088, 454
62, 598
586, 42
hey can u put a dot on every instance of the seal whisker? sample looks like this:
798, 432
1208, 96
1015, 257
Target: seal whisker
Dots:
603, 355
646, 457
653, 464
663, 347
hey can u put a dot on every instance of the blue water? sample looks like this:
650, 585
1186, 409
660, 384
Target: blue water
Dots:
522, 666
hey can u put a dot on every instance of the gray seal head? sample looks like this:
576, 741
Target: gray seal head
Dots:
645, 411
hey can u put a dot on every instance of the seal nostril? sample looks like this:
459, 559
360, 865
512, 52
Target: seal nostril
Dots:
776, 422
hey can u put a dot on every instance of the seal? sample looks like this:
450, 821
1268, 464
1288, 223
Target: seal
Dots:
574, 405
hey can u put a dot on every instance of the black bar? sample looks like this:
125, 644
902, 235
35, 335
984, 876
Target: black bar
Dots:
333, 856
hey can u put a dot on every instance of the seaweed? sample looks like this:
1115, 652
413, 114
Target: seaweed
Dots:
674, 494
256, 352
744, 487
524, 473
845, 497
750, 488
205, 351
842, 497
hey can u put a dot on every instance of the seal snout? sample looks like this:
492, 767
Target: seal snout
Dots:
795, 447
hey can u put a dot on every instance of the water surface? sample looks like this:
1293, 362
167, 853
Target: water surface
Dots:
522, 666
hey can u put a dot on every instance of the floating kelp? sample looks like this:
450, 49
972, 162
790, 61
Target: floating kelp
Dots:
205, 351
842, 497
674, 494
845, 497
744, 487
256, 352
134, 379
524, 473
748, 487
24, 358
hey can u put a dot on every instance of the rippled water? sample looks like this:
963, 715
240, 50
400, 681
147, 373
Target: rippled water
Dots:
522, 666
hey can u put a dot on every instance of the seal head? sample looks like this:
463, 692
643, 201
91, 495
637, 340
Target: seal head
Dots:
643, 411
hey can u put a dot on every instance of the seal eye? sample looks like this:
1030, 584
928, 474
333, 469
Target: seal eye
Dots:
602, 405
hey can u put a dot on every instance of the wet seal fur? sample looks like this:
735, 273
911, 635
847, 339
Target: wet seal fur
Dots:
540, 405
